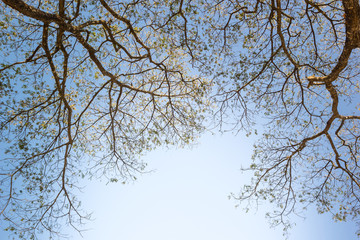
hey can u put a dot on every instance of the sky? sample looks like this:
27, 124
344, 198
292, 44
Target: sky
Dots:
186, 197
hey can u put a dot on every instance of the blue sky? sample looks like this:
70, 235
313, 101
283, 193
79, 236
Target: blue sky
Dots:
186, 197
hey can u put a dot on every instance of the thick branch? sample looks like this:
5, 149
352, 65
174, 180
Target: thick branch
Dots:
32, 12
352, 41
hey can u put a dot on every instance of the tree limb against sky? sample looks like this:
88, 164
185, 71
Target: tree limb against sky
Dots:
88, 86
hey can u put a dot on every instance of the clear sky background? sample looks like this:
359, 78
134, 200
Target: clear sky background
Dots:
186, 198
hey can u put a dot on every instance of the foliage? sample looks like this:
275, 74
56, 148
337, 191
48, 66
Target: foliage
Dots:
88, 86
294, 65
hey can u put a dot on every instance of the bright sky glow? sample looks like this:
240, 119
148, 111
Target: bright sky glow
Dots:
187, 198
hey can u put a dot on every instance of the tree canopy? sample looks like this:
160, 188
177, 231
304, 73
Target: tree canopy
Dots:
296, 64
87, 86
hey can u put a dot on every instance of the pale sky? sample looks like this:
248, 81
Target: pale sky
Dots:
186, 198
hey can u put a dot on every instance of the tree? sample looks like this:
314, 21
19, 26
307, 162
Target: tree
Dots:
295, 65
86, 88
119, 77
